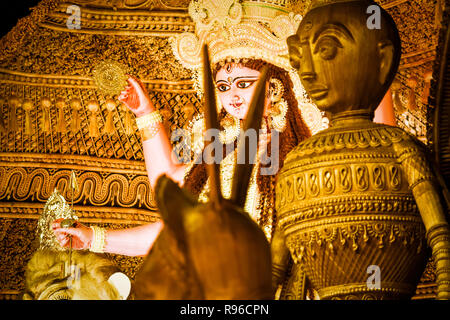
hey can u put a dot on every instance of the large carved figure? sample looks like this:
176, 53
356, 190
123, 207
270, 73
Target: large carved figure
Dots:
356, 201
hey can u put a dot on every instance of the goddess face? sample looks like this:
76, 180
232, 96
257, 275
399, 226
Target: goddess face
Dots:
236, 86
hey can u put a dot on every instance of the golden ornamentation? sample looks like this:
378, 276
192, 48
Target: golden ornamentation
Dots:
98, 239
46, 103
149, 132
14, 40
95, 188
120, 22
51, 268
226, 177
90, 277
110, 77
279, 106
144, 44
247, 30
412, 84
78, 82
196, 129
56, 207
79, 142
133, 4
358, 194
86, 214
27, 106
110, 105
75, 124
151, 119
14, 102
60, 103
349, 200
231, 129
93, 108
155, 63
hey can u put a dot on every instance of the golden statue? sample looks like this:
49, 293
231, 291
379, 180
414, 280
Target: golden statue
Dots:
356, 201
210, 250
57, 273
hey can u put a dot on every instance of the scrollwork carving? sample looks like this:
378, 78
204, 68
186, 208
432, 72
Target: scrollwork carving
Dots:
112, 190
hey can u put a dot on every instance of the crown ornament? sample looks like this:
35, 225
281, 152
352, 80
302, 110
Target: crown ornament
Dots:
243, 29
55, 208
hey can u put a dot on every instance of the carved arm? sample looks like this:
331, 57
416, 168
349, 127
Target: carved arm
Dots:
423, 184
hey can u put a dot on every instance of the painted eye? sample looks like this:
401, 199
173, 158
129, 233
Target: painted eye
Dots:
223, 87
244, 84
327, 47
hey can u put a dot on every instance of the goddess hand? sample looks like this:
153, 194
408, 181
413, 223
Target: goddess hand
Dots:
136, 98
81, 235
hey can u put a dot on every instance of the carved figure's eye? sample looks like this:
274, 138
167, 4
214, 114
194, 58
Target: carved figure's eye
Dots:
327, 47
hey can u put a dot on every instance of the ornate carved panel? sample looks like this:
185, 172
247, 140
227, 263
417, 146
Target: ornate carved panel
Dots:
42, 58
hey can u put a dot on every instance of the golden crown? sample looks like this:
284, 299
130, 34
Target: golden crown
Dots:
249, 29
56, 207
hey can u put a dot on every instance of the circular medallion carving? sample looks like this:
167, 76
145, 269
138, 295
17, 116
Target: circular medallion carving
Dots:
110, 77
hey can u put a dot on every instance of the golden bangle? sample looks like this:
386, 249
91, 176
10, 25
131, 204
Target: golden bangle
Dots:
149, 132
98, 240
149, 120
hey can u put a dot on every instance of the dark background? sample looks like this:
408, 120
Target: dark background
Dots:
12, 10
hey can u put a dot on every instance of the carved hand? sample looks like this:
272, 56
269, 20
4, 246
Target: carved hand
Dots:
81, 235
136, 97
280, 259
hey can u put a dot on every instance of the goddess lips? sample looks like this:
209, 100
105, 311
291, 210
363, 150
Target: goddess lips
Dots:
236, 105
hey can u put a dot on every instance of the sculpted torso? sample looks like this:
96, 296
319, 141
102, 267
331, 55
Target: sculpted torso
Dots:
345, 193
356, 199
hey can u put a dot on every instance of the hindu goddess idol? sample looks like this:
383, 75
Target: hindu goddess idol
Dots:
242, 37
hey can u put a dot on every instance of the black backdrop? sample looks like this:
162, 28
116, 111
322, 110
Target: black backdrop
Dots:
12, 10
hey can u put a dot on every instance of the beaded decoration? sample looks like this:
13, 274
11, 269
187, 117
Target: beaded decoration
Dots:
99, 239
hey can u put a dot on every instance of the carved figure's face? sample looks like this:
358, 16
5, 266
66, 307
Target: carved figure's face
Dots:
236, 86
337, 58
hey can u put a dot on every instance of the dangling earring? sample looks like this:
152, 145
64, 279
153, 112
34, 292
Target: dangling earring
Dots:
232, 128
277, 113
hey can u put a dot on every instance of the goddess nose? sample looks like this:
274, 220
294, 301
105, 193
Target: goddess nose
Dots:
236, 99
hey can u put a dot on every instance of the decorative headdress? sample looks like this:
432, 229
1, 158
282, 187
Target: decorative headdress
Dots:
55, 208
249, 29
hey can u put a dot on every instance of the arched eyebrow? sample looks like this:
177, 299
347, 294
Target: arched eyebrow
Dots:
335, 26
224, 81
